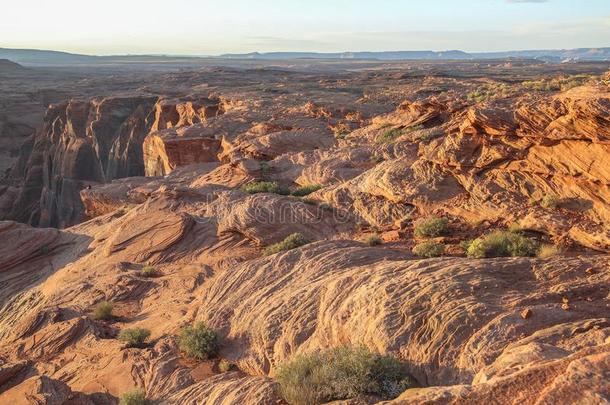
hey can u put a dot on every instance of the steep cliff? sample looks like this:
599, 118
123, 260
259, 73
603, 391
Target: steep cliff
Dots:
86, 142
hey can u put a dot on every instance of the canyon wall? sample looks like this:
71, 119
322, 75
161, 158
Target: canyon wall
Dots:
87, 142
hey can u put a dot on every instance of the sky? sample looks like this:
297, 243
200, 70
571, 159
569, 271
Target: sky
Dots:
212, 27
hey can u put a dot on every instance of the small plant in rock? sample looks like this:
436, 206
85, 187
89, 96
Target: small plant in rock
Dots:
136, 396
430, 134
257, 187
199, 341
431, 227
562, 83
550, 202
377, 159
502, 244
341, 373
548, 251
149, 271
291, 242
515, 228
429, 249
103, 311
489, 91
265, 168
134, 337
390, 135
374, 240
224, 366
465, 244
306, 190
341, 134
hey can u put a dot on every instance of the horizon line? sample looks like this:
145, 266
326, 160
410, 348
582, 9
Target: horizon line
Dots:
194, 55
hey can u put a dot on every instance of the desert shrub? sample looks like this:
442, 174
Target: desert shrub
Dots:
389, 135
341, 373
265, 168
199, 341
103, 311
541, 85
431, 227
515, 227
489, 91
256, 187
429, 249
134, 337
306, 190
291, 242
224, 366
502, 243
465, 244
562, 83
550, 202
547, 251
377, 159
149, 271
394, 133
373, 240
136, 396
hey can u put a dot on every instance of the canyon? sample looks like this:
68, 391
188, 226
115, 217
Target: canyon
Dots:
112, 169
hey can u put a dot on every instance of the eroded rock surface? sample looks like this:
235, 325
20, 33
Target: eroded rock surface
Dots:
379, 150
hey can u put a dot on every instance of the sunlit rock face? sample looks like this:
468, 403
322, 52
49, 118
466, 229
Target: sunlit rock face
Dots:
348, 162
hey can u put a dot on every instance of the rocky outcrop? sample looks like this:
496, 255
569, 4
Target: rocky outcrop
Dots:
493, 162
90, 142
176, 113
228, 389
166, 150
7, 66
470, 331
81, 143
351, 295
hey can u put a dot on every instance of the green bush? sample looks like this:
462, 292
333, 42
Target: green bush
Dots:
341, 373
377, 159
134, 337
291, 242
199, 341
465, 244
390, 135
489, 91
103, 311
547, 251
515, 227
136, 396
256, 187
149, 271
431, 227
559, 83
265, 168
224, 366
550, 202
306, 190
374, 240
502, 244
429, 249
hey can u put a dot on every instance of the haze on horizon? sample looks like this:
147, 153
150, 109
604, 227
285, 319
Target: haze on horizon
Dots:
208, 27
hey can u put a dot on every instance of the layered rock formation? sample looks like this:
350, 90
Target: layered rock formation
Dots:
82, 143
470, 331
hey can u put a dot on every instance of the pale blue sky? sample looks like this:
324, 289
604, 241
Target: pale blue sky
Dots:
217, 26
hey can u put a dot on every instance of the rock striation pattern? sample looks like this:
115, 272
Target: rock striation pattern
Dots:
166, 176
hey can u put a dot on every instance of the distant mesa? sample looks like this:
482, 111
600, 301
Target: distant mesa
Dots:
35, 57
7, 66
559, 55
